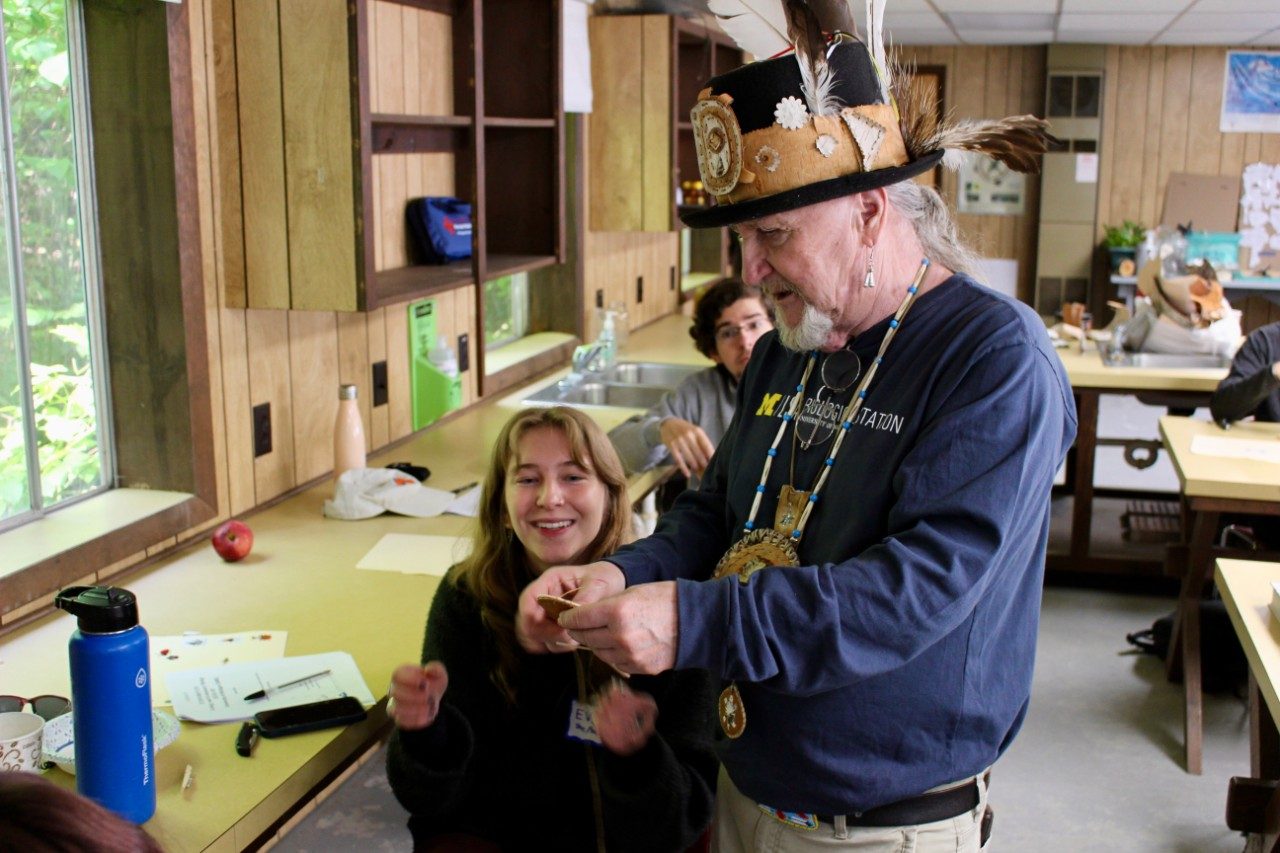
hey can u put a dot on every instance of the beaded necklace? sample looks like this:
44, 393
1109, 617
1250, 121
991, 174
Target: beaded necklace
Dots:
776, 546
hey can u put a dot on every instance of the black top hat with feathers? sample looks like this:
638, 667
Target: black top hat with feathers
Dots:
831, 119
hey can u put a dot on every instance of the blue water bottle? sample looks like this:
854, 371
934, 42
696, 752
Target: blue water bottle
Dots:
111, 700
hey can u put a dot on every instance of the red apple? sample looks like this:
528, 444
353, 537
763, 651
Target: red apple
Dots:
232, 540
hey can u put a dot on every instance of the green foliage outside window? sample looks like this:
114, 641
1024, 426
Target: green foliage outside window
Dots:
49, 255
499, 318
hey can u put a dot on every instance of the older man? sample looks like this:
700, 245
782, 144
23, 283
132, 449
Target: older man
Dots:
863, 563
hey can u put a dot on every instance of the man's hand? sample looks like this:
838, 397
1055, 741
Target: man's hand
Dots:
689, 446
635, 631
624, 720
538, 632
415, 694
1275, 370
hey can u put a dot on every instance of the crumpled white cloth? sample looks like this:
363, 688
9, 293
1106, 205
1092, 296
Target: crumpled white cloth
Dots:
368, 492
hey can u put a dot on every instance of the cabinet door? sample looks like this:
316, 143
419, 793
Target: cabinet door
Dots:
630, 132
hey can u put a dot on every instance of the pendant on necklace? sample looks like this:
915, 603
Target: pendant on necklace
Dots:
759, 549
733, 716
791, 504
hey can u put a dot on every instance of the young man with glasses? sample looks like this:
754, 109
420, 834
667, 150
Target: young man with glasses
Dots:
687, 423
863, 563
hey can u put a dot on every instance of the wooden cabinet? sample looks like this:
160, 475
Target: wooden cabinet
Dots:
368, 104
647, 71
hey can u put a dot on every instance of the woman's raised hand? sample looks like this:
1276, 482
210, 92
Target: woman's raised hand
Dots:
415, 694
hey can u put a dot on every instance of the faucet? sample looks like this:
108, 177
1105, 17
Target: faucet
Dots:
590, 358
1114, 352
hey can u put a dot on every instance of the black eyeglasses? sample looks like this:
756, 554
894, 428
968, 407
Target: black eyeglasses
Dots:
47, 706
820, 416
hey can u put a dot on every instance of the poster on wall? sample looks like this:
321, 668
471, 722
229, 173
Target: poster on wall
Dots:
1251, 92
989, 186
1260, 215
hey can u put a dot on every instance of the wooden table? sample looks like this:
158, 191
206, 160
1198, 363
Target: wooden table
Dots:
1090, 380
1211, 485
300, 578
1252, 803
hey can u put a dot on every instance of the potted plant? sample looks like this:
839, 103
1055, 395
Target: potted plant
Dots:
1122, 243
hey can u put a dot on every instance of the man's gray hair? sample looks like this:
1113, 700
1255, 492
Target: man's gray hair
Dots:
934, 227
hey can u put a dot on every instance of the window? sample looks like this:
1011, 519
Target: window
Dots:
506, 309
53, 436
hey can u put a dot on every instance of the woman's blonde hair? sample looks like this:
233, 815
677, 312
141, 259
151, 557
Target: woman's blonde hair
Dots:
499, 567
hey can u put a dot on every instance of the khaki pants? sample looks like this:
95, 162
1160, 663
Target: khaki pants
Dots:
742, 827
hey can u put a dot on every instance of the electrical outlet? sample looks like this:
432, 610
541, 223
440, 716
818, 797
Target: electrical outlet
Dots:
672, 285
600, 297
464, 357
261, 429
379, 383
639, 289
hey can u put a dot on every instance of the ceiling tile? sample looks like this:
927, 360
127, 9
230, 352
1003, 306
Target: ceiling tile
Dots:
1170, 6
1102, 37
894, 21
977, 21
1224, 22
924, 37
1226, 38
1043, 6
1120, 23
1234, 6
1006, 36
1272, 38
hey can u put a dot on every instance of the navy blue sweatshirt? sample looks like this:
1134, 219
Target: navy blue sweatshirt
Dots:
899, 655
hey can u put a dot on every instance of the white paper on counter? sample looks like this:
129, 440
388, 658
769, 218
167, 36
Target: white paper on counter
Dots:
193, 650
416, 554
1259, 450
216, 694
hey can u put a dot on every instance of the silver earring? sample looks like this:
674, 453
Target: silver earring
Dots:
870, 280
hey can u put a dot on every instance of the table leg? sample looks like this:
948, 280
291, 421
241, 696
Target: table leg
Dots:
1082, 486
1186, 634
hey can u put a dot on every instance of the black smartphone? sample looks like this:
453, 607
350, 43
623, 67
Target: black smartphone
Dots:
307, 718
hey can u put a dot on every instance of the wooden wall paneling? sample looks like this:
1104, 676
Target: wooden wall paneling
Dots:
389, 203
1127, 156
267, 343
1269, 150
970, 64
411, 61
1174, 116
380, 418
266, 242
1252, 147
464, 321
387, 57
355, 366
1108, 133
318, 159
993, 105
1032, 101
205, 91
1204, 141
235, 420
399, 409
435, 40
1150, 206
225, 147
313, 387
379, 254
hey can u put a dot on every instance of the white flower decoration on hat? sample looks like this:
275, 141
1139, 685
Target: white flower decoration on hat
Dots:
791, 113
826, 144
769, 158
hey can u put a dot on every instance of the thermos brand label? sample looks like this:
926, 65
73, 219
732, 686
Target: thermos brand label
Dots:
146, 763
140, 680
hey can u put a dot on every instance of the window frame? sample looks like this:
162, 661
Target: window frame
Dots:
40, 580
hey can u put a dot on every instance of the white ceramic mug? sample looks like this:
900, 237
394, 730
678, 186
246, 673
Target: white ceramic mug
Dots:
21, 736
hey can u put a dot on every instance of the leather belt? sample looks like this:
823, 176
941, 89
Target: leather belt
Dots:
926, 808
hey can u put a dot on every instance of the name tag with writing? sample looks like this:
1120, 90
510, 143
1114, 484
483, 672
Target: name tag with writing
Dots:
582, 723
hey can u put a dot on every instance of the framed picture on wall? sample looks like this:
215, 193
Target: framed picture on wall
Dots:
1251, 92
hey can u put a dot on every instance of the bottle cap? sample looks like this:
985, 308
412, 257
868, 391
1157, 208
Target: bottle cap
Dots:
100, 609
346, 392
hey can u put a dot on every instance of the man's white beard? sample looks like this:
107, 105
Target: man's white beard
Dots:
812, 332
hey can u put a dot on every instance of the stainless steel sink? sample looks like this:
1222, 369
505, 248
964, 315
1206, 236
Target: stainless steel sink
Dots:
1172, 361
650, 373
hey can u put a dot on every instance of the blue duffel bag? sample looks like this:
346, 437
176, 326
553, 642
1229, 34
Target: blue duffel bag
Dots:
441, 227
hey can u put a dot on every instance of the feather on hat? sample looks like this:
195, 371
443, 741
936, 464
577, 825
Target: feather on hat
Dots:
832, 116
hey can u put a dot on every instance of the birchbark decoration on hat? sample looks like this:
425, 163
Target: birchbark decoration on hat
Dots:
831, 117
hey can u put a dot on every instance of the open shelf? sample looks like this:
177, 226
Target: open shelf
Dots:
405, 283
500, 265
406, 134
500, 121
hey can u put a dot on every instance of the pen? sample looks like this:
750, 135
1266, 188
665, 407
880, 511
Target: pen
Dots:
262, 694
462, 489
